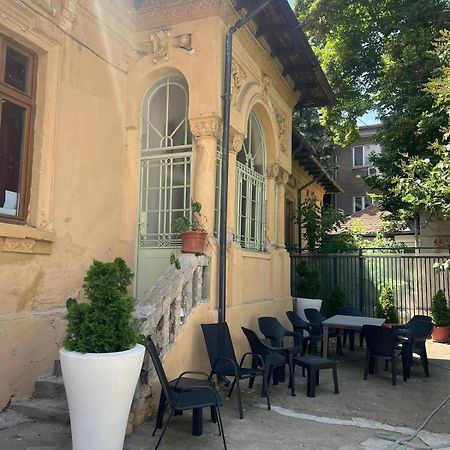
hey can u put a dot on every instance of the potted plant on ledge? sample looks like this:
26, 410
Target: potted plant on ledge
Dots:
307, 289
193, 235
101, 359
440, 313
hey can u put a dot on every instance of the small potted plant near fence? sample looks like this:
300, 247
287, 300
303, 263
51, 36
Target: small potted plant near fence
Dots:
193, 235
101, 359
307, 289
386, 306
336, 301
440, 313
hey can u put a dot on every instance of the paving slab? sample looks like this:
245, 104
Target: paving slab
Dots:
346, 421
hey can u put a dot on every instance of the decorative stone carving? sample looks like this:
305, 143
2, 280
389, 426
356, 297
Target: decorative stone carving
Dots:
184, 41
282, 128
236, 141
265, 86
18, 245
206, 127
69, 13
48, 7
238, 77
160, 44
273, 170
283, 176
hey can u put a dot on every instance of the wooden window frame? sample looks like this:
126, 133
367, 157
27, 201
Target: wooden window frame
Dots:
27, 100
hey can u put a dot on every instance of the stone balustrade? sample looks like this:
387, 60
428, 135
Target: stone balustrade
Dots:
162, 315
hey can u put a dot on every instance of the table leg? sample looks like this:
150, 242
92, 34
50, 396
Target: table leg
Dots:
325, 341
197, 422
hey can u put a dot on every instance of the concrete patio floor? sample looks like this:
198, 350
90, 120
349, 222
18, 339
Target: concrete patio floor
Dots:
328, 421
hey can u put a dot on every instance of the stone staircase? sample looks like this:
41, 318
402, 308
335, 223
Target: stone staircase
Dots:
49, 402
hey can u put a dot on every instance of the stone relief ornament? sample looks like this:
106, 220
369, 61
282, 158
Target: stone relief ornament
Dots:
184, 41
272, 170
236, 141
238, 77
282, 128
69, 13
160, 45
48, 7
265, 86
206, 127
283, 176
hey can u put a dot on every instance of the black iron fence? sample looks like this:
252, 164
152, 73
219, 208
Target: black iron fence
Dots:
363, 275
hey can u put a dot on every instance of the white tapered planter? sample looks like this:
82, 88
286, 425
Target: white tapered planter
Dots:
100, 389
304, 303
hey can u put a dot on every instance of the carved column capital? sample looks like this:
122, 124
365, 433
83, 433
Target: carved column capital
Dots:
272, 171
236, 141
206, 127
282, 177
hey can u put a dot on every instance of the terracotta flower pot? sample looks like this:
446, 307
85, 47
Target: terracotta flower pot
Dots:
193, 242
440, 334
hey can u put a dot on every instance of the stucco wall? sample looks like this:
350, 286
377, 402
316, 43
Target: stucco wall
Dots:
94, 66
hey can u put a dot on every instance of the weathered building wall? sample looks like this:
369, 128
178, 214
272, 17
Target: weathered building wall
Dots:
95, 63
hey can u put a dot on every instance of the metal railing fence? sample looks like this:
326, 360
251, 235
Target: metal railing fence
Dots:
362, 276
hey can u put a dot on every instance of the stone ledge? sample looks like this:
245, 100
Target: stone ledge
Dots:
25, 239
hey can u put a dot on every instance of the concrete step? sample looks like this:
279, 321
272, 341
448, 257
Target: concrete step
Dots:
57, 370
50, 387
44, 409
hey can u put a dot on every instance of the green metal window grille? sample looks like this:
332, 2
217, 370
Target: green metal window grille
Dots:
165, 163
251, 189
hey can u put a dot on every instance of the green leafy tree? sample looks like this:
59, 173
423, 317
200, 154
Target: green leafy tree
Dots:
377, 56
336, 301
105, 322
386, 305
308, 281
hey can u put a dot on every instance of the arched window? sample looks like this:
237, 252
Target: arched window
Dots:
166, 151
251, 189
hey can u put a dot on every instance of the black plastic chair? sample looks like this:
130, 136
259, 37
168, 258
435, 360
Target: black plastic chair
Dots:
300, 326
417, 332
382, 343
401, 329
273, 330
316, 318
184, 399
224, 363
354, 312
271, 359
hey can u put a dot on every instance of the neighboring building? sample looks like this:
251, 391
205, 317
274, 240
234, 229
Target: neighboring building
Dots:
111, 122
353, 163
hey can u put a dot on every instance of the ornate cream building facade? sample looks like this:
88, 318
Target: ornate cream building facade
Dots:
120, 115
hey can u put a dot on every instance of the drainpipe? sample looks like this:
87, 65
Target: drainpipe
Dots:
224, 172
300, 212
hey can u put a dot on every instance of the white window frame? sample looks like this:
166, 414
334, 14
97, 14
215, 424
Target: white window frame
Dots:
366, 201
366, 151
164, 164
250, 222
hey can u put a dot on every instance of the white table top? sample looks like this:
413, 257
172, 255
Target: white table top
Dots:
352, 322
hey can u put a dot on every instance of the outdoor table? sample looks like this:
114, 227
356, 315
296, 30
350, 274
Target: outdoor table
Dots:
346, 322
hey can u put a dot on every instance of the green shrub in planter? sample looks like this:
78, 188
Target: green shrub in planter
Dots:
336, 301
309, 283
105, 322
386, 305
440, 312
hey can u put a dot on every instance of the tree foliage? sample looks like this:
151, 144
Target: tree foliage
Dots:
386, 305
377, 56
105, 322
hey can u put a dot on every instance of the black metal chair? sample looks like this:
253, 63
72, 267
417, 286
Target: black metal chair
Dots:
224, 363
300, 326
271, 359
195, 397
355, 312
382, 343
316, 318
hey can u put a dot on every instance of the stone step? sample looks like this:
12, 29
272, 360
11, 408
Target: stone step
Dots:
50, 387
57, 370
44, 409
